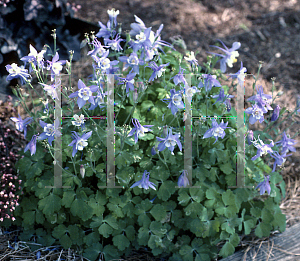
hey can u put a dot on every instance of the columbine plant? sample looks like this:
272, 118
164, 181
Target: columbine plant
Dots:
145, 60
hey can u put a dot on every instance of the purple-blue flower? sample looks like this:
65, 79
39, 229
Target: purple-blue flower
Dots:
286, 143
262, 149
84, 93
275, 114
169, 142
22, 124
34, 57
175, 101
79, 143
49, 131
189, 92
115, 43
99, 99
99, 48
279, 159
256, 113
157, 70
136, 28
191, 59
113, 16
240, 75
55, 65
179, 78
106, 31
262, 99
16, 72
183, 180
229, 56
50, 89
31, 145
128, 81
221, 97
264, 186
217, 130
132, 61
209, 82
156, 44
139, 130
142, 40
144, 182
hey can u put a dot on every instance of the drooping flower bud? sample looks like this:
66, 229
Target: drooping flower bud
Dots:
275, 114
82, 171
183, 180
165, 131
135, 95
153, 152
250, 137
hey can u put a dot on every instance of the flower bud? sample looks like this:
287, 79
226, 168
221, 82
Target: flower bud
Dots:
165, 131
275, 113
250, 137
135, 95
153, 151
82, 171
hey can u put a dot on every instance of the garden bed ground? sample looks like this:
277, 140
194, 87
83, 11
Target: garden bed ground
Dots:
269, 31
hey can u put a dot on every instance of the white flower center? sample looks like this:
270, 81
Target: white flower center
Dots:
141, 37
114, 46
159, 73
56, 67
170, 142
84, 93
218, 132
49, 130
105, 64
176, 99
257, 114
15, 69
232, 58
81, 144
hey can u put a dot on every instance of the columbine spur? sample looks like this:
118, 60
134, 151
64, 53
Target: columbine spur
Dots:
175, 101
157, 70
21, 124
262, 149
34, 57
79, 143
128, 81
169, 142
229, 56
132, 61
240, 75
139, 130
55, 65
279, 159
264, 186
144, 182
286, 143
179, 78
209, 82
16, 72
49, 131
84, 94
217, 130
256, 113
